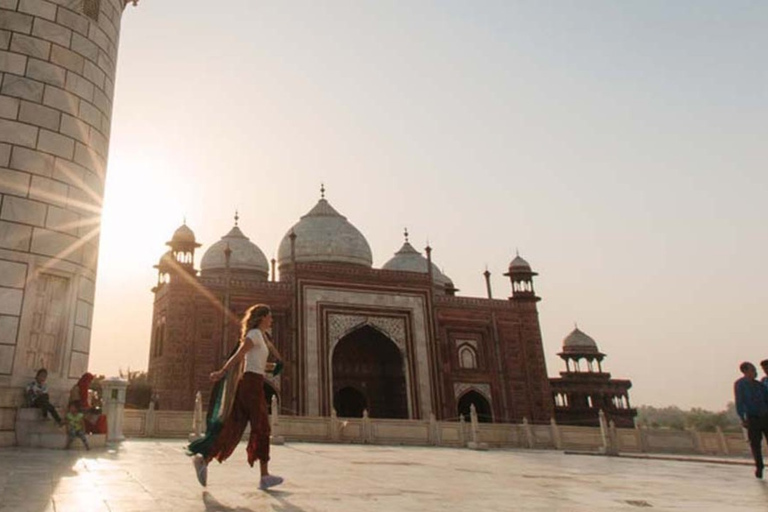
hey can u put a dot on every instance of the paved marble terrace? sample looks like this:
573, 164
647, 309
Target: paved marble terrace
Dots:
151, 475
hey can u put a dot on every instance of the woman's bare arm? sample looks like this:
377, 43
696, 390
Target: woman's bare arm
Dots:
245, 346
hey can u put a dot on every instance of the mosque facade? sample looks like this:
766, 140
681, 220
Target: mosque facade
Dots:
396, 341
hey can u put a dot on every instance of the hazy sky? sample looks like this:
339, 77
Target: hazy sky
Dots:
621, 146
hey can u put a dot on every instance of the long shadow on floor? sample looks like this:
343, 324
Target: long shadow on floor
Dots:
213, 505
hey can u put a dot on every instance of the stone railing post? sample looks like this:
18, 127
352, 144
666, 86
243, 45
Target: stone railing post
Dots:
149, 421
723, 441
197, 418
530, 440
114, 404
366, 430
335, 427
434, 431
613, 438
557, 440
605, 435
698, 444
462, 433
274, 423
475, 443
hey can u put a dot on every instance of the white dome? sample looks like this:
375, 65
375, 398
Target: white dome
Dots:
408, 259
579, 342
245, 254
324, 235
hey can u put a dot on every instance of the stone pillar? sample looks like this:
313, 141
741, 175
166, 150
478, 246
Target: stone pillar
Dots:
57, 62
114, 406
366, 427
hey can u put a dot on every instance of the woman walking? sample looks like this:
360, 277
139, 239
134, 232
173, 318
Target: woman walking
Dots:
238, 398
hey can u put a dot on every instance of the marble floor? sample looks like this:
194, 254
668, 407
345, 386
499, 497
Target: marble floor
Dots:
155, 475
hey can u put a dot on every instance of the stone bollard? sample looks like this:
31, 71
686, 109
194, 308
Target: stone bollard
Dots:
197, 418
475, 443
528, 431
462, 433
556, 439
273, 423
114, 405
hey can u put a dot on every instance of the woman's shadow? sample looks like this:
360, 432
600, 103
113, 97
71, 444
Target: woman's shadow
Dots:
214, 505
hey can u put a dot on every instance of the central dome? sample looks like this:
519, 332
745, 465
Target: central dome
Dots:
324, 235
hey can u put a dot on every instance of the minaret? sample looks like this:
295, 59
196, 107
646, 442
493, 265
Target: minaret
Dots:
57, 91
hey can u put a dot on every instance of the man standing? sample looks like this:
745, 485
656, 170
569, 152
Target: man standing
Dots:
764, 366
752, 407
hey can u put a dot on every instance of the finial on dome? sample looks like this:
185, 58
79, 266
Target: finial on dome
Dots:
405, 232
322, 190
237, 217
184, 219
575, 325
517, 251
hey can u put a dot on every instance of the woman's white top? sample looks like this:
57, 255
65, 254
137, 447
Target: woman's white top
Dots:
256, 358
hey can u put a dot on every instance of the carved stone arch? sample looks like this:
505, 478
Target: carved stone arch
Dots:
460, 388
479, 394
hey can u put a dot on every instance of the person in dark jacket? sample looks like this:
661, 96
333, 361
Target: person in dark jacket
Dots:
752, 407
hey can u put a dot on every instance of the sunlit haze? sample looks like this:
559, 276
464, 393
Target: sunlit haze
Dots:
620, 146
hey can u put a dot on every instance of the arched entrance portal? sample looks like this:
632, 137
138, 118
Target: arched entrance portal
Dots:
349, 403
482, 406
368, 373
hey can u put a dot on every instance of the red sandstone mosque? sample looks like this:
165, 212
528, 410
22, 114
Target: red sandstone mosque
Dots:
396, 341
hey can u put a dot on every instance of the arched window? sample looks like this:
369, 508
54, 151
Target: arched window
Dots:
467, 357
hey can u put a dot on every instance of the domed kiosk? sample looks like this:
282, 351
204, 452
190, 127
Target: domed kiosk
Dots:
584, 389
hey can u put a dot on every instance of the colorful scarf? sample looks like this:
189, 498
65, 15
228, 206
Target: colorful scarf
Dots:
219, 408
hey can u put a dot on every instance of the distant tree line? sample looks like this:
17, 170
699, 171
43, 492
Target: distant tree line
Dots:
678, 419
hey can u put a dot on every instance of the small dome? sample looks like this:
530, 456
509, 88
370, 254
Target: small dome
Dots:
166, 259
579, 342
245, 254
408, 259
183, 235
519, 264
324, 235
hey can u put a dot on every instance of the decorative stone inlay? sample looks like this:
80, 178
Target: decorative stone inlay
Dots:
414, 304
459, 388
339, 325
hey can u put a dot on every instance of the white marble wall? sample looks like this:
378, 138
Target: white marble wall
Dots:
412, 303
57, 75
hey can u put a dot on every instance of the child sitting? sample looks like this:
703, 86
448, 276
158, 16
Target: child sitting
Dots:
37, 395
76, 425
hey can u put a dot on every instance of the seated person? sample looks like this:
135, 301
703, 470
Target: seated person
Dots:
95, 421
37, 396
